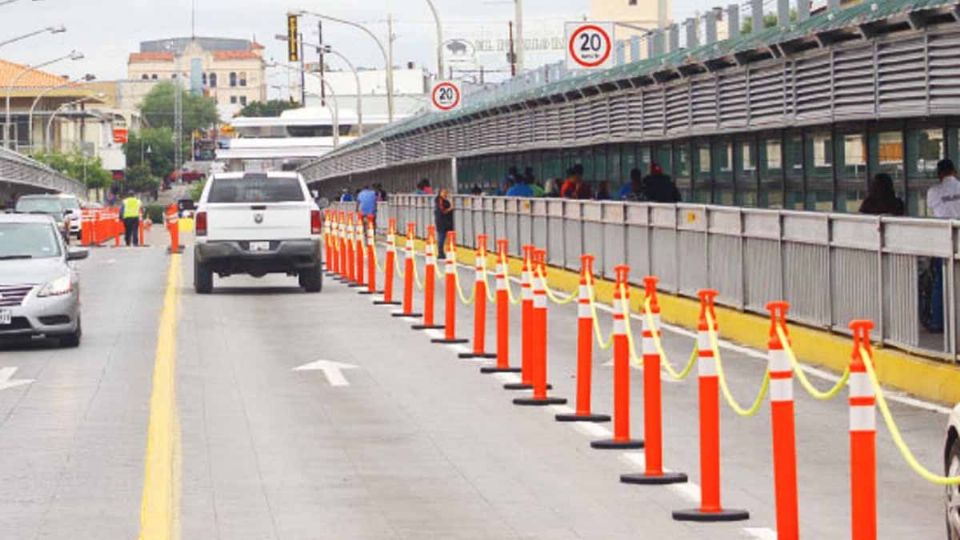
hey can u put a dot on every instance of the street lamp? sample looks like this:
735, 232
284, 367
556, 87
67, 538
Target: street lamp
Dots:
383, 50
74, 55
356, 76
52, 29
86, 78
48, 138
5, 2
436, 18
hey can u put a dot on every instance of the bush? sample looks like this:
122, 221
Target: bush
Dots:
154, 212
196, 190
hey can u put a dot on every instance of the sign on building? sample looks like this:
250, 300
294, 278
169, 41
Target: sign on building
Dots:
293, 38
589, 45
446, 96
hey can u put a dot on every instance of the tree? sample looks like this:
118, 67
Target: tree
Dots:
76, 165
156, 145
274, 107
199, 112
139, 179
769, 21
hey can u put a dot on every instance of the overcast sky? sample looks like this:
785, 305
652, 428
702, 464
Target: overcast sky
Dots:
106, 31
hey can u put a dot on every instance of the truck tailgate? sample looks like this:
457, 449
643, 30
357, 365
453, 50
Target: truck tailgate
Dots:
245, 221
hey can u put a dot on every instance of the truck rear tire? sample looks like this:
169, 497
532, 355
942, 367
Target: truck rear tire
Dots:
202, 278
311, 280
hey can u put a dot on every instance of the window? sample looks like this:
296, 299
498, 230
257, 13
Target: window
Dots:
851, 158
818, 164
745, 166
233, 79
243, 100
174, 76
770, 168
204, 79
243, 78
795, 192
213, 80
681, 169
631, 2
255, 188
723, 190
233, 99
703, 173
145, 77
154, 77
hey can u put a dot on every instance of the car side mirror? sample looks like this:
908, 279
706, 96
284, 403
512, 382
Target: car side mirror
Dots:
187, 204
77, 254
323, 202
66, 212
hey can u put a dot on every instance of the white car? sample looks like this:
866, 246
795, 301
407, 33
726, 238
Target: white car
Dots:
257, 224
951, 460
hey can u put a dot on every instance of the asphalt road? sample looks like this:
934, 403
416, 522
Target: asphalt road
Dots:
416, 444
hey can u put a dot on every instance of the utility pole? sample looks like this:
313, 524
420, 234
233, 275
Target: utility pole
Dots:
178, 124
323, 90
518, 48
513, 54
390, 38
303, 72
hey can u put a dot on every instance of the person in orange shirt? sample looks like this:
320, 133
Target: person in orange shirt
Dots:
571, 186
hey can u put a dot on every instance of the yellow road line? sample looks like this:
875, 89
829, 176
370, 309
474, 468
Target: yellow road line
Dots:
160, 505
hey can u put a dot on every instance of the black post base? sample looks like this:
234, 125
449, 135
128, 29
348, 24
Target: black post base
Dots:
654, 479
521, 386
445, 341
475, 355
407, 315
365, 291
699, 515
583, 417
613, 444
356, 285
385, 303
488, 370
534, 402
427, 327
178, 249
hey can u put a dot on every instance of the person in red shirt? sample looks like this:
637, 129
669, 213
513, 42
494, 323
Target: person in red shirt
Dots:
572, 187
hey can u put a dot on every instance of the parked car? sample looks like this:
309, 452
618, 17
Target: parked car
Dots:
49, 205
257, 224
39, 288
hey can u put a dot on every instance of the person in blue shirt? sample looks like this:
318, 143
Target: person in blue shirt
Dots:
346, 196
367, 202
520, 189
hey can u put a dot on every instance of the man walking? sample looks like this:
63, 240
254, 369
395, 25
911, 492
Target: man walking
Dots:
367, 202
130, 213
943, 199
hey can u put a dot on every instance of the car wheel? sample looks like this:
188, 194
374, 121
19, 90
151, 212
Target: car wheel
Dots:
311, 280
952, 498
202, 278
72, 340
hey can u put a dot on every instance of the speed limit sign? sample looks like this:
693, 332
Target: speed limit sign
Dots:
446, 96
589, 45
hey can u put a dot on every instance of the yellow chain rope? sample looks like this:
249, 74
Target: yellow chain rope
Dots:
463, 298
506, 279
737, 408
905, 451
604, 344
416, 275
550, 294
658, 344
802, 377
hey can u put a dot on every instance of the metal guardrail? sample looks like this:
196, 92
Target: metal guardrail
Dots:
18, 169
832, 268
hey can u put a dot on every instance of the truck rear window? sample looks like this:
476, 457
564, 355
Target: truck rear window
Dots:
255, 188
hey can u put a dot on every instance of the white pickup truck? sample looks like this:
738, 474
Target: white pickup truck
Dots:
257, 224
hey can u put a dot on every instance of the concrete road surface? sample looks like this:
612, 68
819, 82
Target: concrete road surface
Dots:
390, 436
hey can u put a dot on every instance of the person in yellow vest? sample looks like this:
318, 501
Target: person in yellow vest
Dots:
130, 213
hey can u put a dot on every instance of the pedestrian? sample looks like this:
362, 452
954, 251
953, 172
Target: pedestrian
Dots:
571, 185
881, 198
423, 187
658, 187
943, 199
345, 195
603, 191
520, 188
130, 213
550, 188
476, 190
443, 219
367, 203
633, 190
381, 193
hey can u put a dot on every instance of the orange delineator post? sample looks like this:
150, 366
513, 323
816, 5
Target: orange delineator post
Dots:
540, 341
328, 249
371, 244
584, 349
710, 507
526, 323
621, 368
863, 438
450, 294
141, 238
389, 264
173, 228
784, 431
86, 228
341, 247
359, 247
408, 270
351, 250
652, 403
480, 302
503, 315
429, 282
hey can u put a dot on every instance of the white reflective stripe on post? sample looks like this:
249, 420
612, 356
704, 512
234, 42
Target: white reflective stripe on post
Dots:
479, 275
707, 366
431, 260
781, 389
778, 361
501, 269
648, 347
540, 300
863, 418
448, 267
619, 326
501, 283
584, 291
526, 293
703, 341
860, 385
583, 310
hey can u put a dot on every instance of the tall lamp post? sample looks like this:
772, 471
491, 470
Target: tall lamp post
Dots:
74, 55
52, 29
383, 50
436, 19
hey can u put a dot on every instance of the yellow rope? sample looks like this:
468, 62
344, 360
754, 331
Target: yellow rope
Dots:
553, 297
658, 343
905, 451
603, 344
463, 298
802, 377
737, 408
506, 281
416, 276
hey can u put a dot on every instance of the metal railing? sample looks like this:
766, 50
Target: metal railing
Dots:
832, 268
18, 169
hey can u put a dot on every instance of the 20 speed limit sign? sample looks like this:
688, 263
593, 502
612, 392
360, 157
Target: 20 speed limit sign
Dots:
446, 96
589, 45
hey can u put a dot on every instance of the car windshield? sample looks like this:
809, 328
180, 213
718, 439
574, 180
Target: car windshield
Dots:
28, 241
69, 203
43, 205
255, 188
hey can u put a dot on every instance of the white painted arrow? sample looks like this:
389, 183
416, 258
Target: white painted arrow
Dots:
7, 381
332, 370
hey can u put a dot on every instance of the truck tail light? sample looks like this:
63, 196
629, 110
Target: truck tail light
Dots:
315, 222
201, 224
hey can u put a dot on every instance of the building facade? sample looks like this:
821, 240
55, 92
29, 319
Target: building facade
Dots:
230, 70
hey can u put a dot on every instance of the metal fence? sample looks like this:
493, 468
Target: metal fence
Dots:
19, 169
832, 268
